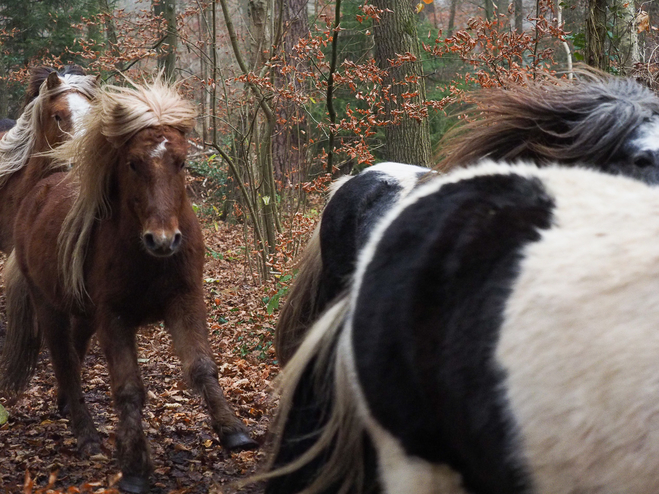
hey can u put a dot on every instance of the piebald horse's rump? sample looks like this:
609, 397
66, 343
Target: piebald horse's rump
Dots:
500, 336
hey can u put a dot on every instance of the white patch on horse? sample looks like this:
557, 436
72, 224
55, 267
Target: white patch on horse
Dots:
486, 167
407, 176
160, 150
579, 340
649, 138
78, 106
401, 473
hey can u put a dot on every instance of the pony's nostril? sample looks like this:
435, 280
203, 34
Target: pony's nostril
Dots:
176, 242
150, 241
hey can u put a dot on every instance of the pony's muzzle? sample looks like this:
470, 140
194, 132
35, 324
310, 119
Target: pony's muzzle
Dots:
162, 243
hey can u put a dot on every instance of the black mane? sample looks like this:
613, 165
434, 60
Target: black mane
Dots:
585, 121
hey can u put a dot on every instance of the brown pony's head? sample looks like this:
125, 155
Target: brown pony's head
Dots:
51, 116
151, 182
134, 142
62, 108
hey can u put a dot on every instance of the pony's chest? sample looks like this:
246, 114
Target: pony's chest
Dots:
139, 288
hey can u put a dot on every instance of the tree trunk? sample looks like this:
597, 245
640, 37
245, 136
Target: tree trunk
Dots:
451, 18
258, 29
566, 46
396, 33
627, 35
596, 34
258, 17
519, 15
289, 141
489, 8
167, 58
4, 100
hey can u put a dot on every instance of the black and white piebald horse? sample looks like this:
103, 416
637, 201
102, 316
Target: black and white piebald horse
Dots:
328, 261
611, 124
499, 336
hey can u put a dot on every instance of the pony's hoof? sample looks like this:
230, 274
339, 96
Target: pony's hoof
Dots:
134, 484
63, 407
89, 447
238, 441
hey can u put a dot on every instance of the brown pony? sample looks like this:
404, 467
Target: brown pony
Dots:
54, 106
106, 248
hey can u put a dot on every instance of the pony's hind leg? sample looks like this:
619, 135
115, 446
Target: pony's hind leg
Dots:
57, 332
186, 323
118, 344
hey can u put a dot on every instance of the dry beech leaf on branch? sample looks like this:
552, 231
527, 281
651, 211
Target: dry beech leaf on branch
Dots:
642, 21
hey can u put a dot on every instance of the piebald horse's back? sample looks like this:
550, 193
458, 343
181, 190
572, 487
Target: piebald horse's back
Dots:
500, 336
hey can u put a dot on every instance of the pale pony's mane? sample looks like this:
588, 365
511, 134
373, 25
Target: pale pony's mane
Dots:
117, 114
17, 146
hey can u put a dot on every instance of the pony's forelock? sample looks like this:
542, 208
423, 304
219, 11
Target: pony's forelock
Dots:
125, 111
117, 114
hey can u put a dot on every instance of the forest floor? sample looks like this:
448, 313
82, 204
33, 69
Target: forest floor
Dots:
38, 451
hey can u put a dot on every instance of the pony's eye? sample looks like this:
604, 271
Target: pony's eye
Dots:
181, 165
132, 165
644, 159
57, 118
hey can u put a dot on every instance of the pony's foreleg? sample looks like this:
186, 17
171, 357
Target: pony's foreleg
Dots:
56, 329
82, 330
118, 344
186, 323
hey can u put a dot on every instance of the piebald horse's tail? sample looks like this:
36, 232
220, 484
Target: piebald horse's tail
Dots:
303, 304
301, 307
24, 339
319, 437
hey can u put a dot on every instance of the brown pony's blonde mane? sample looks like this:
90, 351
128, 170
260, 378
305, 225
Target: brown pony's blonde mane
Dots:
17, 145
553, 120
117, 114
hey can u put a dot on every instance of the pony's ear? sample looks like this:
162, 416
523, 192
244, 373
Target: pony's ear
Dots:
98, 79
53, 80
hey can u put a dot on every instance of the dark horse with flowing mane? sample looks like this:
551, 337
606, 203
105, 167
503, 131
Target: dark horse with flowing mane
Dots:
54, 106
106, 248
499, 336
608, 123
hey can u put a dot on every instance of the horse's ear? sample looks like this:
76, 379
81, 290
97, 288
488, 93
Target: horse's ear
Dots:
98, 79
53, 80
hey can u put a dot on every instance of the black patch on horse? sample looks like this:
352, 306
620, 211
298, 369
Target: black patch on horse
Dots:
348, 220
427, 321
